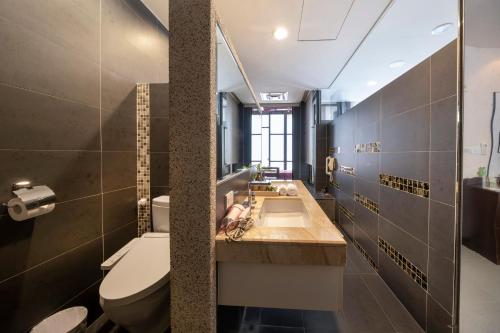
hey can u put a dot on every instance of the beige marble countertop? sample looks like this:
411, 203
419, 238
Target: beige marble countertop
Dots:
319, 243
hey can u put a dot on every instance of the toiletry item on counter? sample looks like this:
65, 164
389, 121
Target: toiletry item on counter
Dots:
282, 189
31, 202
291, 190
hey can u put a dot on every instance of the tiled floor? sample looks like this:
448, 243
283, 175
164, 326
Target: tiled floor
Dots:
479, 294
369, 307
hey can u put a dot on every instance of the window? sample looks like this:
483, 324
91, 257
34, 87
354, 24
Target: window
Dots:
272, 138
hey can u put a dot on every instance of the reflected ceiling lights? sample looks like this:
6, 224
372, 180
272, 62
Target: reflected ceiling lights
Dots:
280, 33
441, 28
397, 64
371, 83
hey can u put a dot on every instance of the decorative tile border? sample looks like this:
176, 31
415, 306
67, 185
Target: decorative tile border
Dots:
371, 205
415, 187
416, 274
346, 212
347, 170
143, 158
335, 184
372, 147
365, 254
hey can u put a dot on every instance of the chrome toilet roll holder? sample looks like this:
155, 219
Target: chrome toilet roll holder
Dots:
30, 201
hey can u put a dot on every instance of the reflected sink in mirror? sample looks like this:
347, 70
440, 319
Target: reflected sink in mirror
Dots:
283, 212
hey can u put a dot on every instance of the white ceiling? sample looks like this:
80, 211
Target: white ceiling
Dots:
338, 27
292, 65
404, 33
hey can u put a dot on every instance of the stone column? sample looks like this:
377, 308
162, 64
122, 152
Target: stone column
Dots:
192, 165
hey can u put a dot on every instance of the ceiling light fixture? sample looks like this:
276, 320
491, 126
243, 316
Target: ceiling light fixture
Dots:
371, 83
441, 28
280, 33
397, 64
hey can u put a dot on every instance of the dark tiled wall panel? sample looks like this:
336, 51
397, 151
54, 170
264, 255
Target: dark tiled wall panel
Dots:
414, 119
159, 95
68, 120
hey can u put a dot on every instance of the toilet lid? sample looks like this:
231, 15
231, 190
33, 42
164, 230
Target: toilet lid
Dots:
143, 270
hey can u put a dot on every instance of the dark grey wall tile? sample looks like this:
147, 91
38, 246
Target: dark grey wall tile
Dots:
45, 122
117, 91
366, 242
156, 191
368, 189
400, 319
118, 170
367, 133
119, 208
409, 292
88, 298
407, 92
407, 211
29, 297
408, 131
368, 111
442, 177
119, 126
346, 225
41, 65
347, 158
71, 174
79, 18
345, 200
438, 320
361, 309
346, 183
441, 278
343, 132
444, 124
32, 242
159, 134
367, 221
444, 72
367, 167
412, 165
114, 240
442, 229
159, 169
410, 247
158, 99
134, 58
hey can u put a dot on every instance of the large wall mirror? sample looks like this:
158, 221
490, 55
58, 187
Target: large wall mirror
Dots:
234, 92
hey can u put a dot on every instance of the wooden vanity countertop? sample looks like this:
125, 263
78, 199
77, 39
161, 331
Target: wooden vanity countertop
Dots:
320, 243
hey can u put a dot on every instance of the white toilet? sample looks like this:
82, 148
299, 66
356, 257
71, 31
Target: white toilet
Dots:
135, 294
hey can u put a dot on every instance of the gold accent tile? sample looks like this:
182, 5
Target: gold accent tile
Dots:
346, 212
371, 147
406, 265
415, 187
371, 205
365, 254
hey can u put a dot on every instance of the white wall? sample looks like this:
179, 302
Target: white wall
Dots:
481, 79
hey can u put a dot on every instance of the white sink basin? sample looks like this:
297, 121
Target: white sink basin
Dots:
276, 212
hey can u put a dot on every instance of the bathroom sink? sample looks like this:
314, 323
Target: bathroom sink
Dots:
281, 212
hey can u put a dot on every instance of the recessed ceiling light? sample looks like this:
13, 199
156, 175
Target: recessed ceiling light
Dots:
371, 83
274, 96
280, 33
441, 28
397, 64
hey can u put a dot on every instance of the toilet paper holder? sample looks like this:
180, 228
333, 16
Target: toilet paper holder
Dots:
30, 201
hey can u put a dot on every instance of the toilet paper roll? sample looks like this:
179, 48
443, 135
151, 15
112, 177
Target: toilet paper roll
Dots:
19, 212
31, 202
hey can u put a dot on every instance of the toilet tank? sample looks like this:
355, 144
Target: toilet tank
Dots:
161, 209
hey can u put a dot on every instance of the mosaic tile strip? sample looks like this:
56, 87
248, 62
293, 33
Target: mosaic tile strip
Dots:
413, 271
143, 158
335, 184
415, 187
371, 205
347, 170
346, 212
372, 147
365, 254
